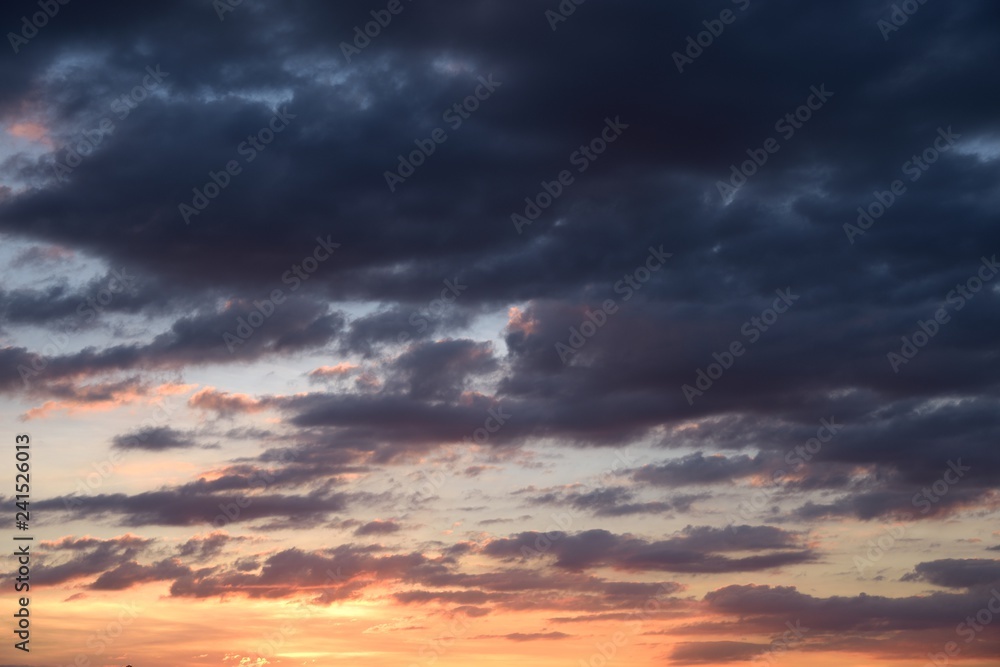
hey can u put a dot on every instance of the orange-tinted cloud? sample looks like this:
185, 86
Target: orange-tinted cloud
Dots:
31, 131
225, 403
326, 372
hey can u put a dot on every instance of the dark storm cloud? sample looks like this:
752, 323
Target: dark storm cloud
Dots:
378, 528
322, 176
700, 469
88, 556
957, 573
333, 575
132, 573
441, 369
398, 325
203, 548
880, 626
694, 550
191, 340
191, 506
697, 653
611, 501
118, 291
155, 439
527, 636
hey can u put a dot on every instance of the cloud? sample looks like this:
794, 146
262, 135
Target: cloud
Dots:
378, 528
700, 469
528, 637
957, 572
225, 403
154, 439
707, 653
693, 550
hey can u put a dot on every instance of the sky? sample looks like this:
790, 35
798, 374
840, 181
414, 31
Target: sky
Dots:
412, 332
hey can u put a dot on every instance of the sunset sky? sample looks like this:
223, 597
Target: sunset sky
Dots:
502, 332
